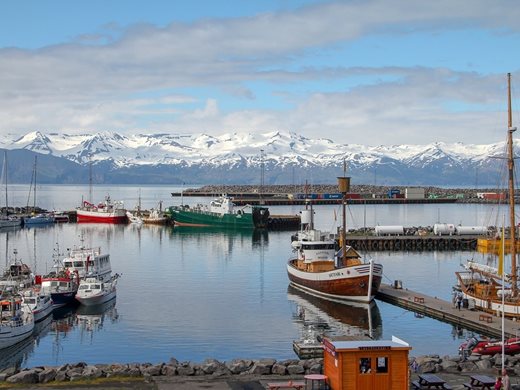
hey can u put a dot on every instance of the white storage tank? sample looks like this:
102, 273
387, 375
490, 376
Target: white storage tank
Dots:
473, 230
440, 229
389, 230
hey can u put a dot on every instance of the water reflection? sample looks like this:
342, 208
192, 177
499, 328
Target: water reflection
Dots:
317, 316
90, 319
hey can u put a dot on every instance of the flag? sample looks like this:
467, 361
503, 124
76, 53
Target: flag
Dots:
501, 254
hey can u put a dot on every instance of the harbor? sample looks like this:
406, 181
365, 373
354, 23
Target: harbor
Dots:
252, 266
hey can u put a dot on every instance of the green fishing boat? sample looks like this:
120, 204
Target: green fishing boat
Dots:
221, 212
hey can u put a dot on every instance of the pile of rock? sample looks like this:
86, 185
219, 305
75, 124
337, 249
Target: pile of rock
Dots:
210, 367
474, 363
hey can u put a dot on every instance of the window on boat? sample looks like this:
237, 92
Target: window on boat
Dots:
67, 263
318, 246
382, 365
78, 264
84, 287
96, 287
30, 300
64, 284
54, 284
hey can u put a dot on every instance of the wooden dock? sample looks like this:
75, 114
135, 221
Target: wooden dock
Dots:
437, 308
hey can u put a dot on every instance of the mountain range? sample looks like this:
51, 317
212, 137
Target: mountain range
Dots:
243, 158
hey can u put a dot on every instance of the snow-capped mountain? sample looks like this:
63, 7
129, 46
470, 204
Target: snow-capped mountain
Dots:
238, 158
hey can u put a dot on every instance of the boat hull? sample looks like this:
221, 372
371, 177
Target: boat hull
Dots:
347, 283
101, 217
63, 298
10, 335
186, 217
99, 299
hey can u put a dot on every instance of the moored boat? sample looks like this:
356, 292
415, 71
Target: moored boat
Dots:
221, 212
473, 346
17, 275
39, 303
16, 321
490, 288
94, 291
88, 262
107, 211
39, 219
61, 286
156, 216
321, 269
134, 218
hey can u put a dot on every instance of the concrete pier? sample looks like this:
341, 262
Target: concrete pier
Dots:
437, 308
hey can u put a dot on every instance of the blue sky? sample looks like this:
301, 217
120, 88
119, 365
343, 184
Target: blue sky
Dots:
373, 72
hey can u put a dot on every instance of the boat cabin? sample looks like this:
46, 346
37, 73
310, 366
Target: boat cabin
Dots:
88, 262
366, 364
222, 205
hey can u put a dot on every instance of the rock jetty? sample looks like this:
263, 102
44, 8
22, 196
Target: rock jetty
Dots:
210, 368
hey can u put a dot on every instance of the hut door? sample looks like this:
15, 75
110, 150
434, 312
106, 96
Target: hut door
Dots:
365, 377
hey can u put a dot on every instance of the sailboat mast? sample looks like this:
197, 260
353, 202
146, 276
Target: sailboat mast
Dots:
5, 177
344, 187
511, 170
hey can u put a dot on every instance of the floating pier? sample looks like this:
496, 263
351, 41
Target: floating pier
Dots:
437, 308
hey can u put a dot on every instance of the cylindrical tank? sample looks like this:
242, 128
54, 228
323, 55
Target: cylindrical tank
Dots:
390, 230
443, 228
306, 216
461, 230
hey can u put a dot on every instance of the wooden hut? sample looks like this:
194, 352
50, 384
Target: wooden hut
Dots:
366, 364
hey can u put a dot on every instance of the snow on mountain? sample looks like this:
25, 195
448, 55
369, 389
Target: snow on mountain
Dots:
278, 150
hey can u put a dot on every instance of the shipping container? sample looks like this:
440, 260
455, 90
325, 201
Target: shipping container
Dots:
414, 193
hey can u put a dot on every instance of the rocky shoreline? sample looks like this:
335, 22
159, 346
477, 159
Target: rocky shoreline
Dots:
212, 369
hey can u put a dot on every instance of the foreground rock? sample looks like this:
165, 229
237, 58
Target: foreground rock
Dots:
209, 368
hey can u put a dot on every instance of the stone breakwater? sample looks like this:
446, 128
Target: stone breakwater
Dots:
456, 365
210, 368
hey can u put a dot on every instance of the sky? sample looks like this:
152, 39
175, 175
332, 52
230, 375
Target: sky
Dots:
369, 72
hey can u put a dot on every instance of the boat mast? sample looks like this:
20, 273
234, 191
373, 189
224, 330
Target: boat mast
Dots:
511, 170
344, 187
5, 177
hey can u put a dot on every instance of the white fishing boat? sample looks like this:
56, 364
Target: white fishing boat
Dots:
16, 321
40, 304
17, 275
94, 291
88, 262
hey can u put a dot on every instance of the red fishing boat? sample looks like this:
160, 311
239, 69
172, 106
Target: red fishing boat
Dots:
107, 211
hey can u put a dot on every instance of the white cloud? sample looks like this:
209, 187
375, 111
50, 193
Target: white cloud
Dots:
73, 87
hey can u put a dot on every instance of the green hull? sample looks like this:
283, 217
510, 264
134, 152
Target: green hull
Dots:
184, 216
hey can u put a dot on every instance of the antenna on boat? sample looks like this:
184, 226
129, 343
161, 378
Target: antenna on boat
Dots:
344, 187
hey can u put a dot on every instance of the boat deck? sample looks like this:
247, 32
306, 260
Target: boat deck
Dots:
440, 309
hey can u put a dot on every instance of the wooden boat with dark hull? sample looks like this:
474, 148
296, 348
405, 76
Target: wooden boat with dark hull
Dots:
321, 269
350, 283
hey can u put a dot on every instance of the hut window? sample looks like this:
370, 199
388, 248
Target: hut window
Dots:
382, 365
365, 365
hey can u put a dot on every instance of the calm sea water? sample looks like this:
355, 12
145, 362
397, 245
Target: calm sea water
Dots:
194, 294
